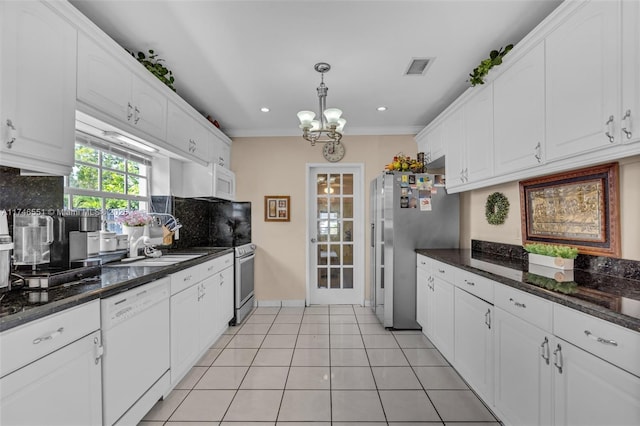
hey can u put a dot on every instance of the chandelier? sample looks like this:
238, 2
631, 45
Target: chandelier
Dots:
329, 127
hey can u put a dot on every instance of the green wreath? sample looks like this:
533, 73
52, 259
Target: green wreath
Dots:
497, 208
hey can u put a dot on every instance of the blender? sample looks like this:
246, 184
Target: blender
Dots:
33, 236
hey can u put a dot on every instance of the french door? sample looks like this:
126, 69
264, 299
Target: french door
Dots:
335, 229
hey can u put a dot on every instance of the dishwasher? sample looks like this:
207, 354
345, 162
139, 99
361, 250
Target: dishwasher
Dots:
135, 338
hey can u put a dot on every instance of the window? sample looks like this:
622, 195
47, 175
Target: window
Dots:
107, 178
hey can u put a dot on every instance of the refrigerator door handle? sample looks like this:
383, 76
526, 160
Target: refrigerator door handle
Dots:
373, 234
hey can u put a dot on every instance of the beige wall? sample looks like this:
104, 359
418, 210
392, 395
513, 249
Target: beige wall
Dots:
474, 225
277, 166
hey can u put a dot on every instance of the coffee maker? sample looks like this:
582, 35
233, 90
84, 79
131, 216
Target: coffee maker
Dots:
33, 235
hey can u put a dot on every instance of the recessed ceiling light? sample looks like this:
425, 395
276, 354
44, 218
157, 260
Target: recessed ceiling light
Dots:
264, 109
382, 108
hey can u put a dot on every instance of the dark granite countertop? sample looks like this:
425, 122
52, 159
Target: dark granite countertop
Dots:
21, 305
607, 297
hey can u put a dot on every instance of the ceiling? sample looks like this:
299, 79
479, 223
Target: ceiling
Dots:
231, 58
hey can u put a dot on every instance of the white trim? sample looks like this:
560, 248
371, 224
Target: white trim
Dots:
293, 303
268, 303
288, 303
359, 227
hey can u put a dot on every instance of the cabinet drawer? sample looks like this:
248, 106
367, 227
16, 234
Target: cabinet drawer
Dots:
443, 271
611, 342
474, 284
184, 279
216, 265
530, 308
22, 345
423, 262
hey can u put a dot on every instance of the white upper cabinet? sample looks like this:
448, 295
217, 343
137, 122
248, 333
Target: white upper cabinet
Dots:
630, 114
37, 87
114, 92
452, 130
468, 134
518, 96
478, 125
430, 142
186, 134
583, 80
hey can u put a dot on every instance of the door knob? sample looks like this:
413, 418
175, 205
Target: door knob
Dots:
313, 240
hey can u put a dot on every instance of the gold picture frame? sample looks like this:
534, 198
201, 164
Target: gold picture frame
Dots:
277, 208
578, 208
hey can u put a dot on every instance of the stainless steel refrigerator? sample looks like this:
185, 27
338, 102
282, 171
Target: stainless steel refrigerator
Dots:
407, 211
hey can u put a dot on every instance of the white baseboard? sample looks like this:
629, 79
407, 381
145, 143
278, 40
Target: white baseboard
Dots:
280, 303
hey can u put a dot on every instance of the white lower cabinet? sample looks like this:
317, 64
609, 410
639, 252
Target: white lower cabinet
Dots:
523, 374
422, 287
185, 339
591, 391
52, 371
201, 307
534, 362
63, 388
441, 306
474, 342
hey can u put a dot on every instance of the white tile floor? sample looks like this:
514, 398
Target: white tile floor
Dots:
330, 365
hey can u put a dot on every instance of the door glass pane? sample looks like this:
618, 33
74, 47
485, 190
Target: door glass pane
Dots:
334, 207
347, 184
347, 210
347, 277
322, 184
323, 255
323, 230
335, 278
334, 254
322, 278
334, 184
347, 230
334, 230
347, 254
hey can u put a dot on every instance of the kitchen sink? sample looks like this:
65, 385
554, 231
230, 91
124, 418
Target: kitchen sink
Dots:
166, 260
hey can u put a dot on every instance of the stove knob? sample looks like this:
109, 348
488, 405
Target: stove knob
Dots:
253, 246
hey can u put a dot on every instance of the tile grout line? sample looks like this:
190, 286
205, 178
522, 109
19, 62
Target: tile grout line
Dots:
421, 385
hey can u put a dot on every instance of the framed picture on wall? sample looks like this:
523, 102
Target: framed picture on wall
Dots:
277, 208
578, 208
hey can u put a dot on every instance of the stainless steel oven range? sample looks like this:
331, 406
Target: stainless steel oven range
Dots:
243, 290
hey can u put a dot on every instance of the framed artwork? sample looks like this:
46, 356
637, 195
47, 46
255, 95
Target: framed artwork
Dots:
578, 208
277, 208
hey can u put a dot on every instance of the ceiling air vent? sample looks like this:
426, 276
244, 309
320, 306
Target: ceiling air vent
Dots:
418, 66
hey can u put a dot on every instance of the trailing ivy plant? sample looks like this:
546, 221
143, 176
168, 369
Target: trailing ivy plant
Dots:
495, 58
155, 67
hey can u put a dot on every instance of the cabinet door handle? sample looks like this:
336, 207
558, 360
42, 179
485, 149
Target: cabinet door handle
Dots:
610, 130
98, 350
590, 335
517, 304
51, 336
487, 318
627, 127
557, 358
538, 152
544, 347
13, 133
136, 115
129, 111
